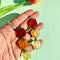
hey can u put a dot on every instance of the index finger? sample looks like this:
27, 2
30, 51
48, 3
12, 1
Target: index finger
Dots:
21, 18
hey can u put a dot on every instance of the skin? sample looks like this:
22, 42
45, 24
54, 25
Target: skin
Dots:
8, 48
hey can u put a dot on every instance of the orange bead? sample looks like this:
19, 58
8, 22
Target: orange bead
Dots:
34, 1
23, 43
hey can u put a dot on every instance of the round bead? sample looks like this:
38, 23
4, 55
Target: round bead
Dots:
34, 33
36, 44
32, 23
20, 32
26, 54
23, 43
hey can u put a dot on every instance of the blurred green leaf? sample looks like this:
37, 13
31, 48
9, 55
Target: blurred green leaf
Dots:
0, 3
9, 8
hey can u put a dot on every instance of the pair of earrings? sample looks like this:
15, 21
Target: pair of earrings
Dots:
23, 43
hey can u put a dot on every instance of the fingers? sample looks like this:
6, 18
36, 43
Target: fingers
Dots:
24, 24
30, 47
34, 15
18, 20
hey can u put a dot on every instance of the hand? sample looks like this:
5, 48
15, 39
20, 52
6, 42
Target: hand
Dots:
8, 48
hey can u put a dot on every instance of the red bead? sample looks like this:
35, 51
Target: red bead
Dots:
29, 22
20, 32
32, 23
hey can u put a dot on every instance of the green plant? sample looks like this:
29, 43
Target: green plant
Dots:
0, 3
9, 8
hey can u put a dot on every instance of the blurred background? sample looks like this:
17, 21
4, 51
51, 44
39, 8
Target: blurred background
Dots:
50, 15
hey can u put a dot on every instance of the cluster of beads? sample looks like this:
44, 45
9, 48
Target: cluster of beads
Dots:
23, 43
34, 33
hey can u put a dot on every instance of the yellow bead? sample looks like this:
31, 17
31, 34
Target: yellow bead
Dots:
35, 33
36, 44
26, 55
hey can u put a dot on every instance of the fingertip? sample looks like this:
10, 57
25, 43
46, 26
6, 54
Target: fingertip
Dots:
35, 14
40, 26
41, 42
30, 11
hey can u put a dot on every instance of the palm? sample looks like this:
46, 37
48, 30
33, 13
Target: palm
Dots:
10, 50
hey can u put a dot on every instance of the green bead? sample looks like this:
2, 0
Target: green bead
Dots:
24, 51
31, 19
35, 39
20, 28
22, 39
30, 41
28, 29
34, 29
